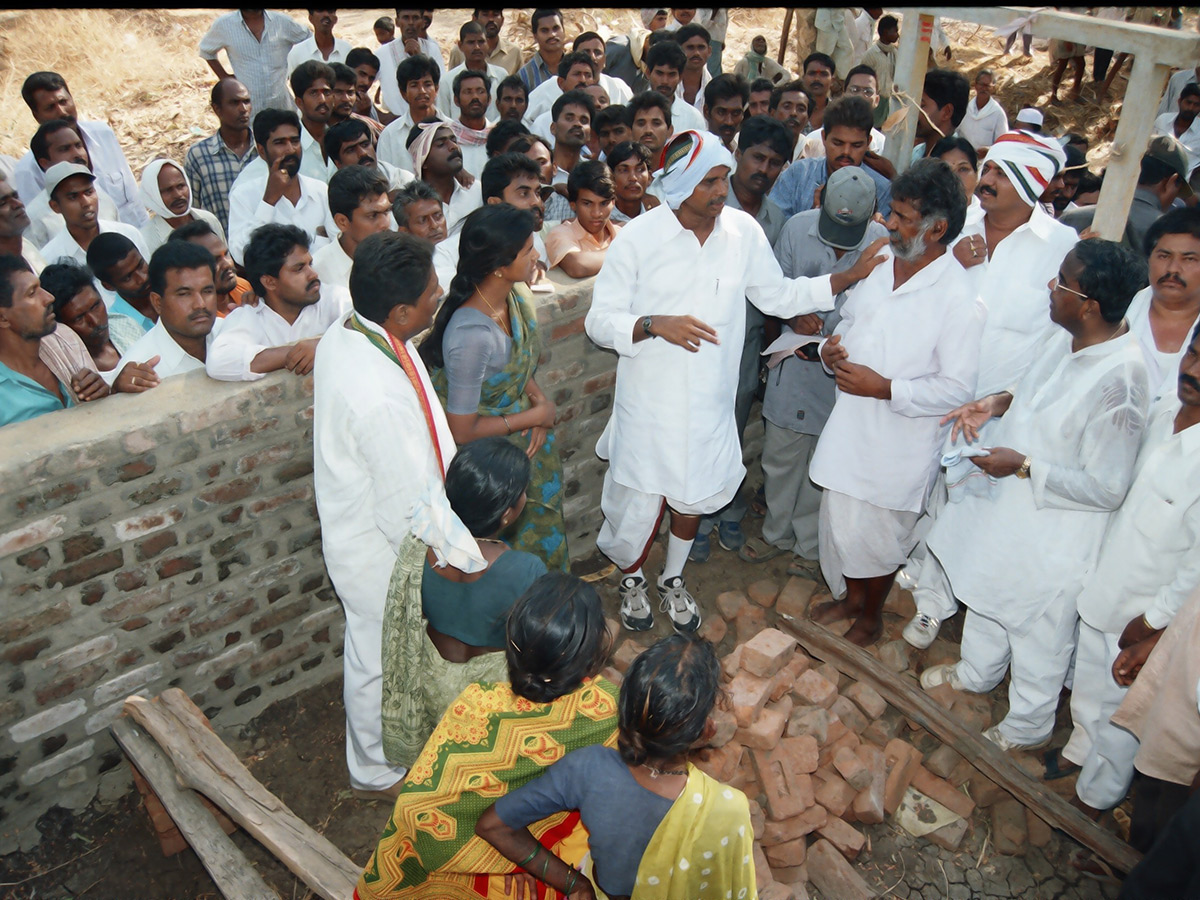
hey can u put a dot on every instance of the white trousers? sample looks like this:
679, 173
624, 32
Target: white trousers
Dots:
1104, 750
793, 501
631, 516
362, 694
1039, 661
861, 540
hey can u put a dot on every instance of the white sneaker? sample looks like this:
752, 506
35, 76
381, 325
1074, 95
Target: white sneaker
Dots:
636, 614
921, 630
937, 675
996, 736
679, 605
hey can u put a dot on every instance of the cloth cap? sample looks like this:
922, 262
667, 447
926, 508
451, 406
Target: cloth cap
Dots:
420, 147
847, 204
152, 196
648, 15
1028, 161
1031, 116
1169, 151
61, 171
685, 161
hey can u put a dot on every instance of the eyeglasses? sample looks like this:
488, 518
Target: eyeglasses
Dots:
861, 91
1057, 283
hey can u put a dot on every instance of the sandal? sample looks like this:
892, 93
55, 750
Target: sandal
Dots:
804, 568
756, 550
1055, 768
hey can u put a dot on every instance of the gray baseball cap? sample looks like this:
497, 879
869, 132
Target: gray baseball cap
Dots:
1169, 151
847, 204
61, 171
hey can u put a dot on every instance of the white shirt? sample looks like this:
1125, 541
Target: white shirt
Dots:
158, 342
698, 103
1178, 81
332, 265
248, 210
62, 244
463, 202
113, 174
814, 144
1162, 364
1013, 287
1014, 546
45, 223
924, 336
312, 158
390, 56
982, 126
307, 49
445, 98
262, 66
249, 330
1148, 562
1165, 124
685, 117
672, 431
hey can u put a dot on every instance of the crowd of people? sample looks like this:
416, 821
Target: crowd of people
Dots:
962, 387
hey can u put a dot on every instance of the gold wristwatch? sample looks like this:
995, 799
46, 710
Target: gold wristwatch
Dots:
1023, 472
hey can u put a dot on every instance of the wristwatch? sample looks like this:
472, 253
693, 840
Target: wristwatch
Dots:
1023, 472
647, 323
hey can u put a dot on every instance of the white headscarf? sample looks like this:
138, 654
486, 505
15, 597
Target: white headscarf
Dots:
152, 196
1029, 162
685, 161
420, 147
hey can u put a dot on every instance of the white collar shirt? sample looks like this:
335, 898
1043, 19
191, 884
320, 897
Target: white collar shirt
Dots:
248, 210
392, 146
698, 103
312, 158
261, 65
62, 244
390, 56
463, 202
1163, 364
1079, 416
924, 336
1148, 563
45, 223
1165, 124
173, 359
332, 265
982, 126
445, 98
308, 49
672, 431
249, 330
1178, 81
685, 117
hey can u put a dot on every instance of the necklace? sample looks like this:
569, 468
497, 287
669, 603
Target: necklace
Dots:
657, 773
495, 315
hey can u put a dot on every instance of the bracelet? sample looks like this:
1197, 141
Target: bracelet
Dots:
530, 857
1146, 622
545, 866
506, 424
571, 883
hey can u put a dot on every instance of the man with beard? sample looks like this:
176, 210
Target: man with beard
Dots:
847, 134
438, 161
985, 119
183, 291
501, 53
593, 45
571, 127
818, 79
512, 98
474, 45
790, 104
122, 271
282, 195
79, 306
547, 27
366, 69
1059, 462
761, 154
345, 92
418, 77
665, 63
293, 310
472, 95
312, 83
14, 223
322, 46
349, 144
1184, 126
58, 141
72, 192
904, 354
232, 290
650, 122
409, 45
417, 210
1009, 254
257, 42
358, 199
944, 102
630, 163
725, 99
47, 96
213, 163
167, 194
44, 366
672, 439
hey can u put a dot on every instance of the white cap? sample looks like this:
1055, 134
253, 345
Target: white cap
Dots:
1031, 116
61, 171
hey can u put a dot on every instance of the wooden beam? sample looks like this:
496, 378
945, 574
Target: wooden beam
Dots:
1147, 81
911, 701
783, 38
206, 765
230, 870
912, 58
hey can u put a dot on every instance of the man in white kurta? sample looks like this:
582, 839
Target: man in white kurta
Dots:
1019, 543
1149, 564
905, 353
985, 119
670, 300
381, 446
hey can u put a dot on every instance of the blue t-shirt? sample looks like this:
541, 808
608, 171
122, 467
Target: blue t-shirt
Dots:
475, 612
23, 398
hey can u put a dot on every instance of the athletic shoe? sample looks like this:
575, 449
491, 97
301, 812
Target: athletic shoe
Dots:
921, 630
636, 614
679, 605
701, 549
997, 737
936, 675
730, 536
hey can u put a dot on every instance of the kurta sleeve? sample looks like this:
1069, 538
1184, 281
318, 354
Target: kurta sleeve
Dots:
1107, 450
247, 210
234, 349
610, 320
1171, 596
952, 383
771, 292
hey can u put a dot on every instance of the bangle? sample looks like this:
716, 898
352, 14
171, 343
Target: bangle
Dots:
506, 424
523, 863
1146, 622
571, 883
545, 866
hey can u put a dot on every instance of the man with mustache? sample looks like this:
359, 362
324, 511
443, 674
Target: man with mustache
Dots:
418, 77
79, 306
322, 46
408, 45
547, 27
184, 293
232, 290
438, 161
72, 192
725, 99
14, 224
847, 136
650, 122
344, 96
905, 353
1057, 465
1009, 254
312, 83
417, 210
471, 39
571, 127
630, 163
349, 144
861, 81
1184, 126
501, 53
818, 79
664, 64
791, 104
358, 199
213, 163
293, 310
58, 141
472, 96
577, 70
696, 43
280, 194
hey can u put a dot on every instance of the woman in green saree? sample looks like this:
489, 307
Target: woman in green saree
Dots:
482, 353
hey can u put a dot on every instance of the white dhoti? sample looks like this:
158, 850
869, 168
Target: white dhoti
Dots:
860, 540
631, 517
1105, 750
1039, 661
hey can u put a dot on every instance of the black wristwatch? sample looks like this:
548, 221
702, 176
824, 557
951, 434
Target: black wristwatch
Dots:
647, 323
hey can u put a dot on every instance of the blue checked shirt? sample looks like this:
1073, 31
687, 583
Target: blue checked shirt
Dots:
535, 72
211, 168
793, 192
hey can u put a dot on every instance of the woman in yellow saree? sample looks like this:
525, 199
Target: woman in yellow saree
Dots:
495, 737
658, 827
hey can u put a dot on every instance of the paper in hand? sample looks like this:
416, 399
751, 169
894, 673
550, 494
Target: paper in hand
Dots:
785, 345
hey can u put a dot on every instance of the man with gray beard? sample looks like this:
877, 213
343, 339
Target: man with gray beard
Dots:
905, 354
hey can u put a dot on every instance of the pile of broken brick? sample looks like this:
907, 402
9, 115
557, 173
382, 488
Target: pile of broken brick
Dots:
819, 754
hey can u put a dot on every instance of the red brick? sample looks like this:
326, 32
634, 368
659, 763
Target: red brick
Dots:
849, 714
130, 579
226, 616
17, 627
833, 792
941, 762
762, 869
950, 835
848, 840
714, 630
902, 760
851, 768
748, 694
721, 763
276, 658
731, 663
23, 653
833, 876
725, 724
34, 559
883, 729
1039, 832
797, 826
91, 567
868, 805
813, 689
1009, 830
793, 600
156, 544
280, 614
750, 621
267, 456
77, 546
934, 788
230, 492
763, 592
270, 504
559, 332
789, 853
867, 699
626, 654
758, 819
729, 602
810, 720
70, 683
782, 773
767, 652
138, 604
764, 731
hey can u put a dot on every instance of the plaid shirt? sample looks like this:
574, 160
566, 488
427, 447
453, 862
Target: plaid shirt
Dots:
211, 168
535, 71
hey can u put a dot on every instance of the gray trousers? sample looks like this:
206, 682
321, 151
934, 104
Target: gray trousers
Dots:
793, 501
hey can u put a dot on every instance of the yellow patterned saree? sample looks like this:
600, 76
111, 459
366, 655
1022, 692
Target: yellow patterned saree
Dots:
489, 742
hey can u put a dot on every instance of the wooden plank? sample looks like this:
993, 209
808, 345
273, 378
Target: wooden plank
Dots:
206, 765
783, 38
230, 870
912, 58
907, 697
1147, 80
